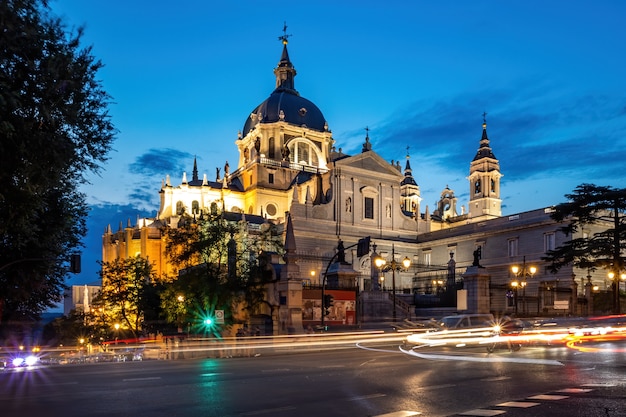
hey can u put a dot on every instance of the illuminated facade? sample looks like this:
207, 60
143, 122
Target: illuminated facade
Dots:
288, 163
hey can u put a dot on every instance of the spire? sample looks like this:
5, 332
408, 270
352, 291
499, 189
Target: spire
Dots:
290, 240
367, 146
285, 72
408, 173
484, 150
194, 175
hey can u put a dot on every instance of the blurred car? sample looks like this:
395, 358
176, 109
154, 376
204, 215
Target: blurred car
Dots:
465, 321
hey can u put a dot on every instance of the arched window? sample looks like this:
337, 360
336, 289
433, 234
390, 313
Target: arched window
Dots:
195, 207
303, 152
214, 208
180, 208
271, 151
477, 187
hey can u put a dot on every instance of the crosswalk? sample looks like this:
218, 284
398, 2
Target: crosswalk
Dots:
530, 404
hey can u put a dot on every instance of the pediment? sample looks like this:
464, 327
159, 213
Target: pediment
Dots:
368, 164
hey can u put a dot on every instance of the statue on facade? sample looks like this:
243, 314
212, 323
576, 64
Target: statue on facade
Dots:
477, 257
341, 252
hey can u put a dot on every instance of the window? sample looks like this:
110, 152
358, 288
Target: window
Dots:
477, 187
549, 241
180, 208
512, 244
271, 151
369, 208
427, 258
195, 207
270, 178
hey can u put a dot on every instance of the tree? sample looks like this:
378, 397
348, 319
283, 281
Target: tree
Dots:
54, 127
600, 206
125, 287
221, 265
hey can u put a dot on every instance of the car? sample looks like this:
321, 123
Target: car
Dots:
465, 321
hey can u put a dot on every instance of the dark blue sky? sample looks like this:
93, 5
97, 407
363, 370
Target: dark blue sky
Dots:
185, 77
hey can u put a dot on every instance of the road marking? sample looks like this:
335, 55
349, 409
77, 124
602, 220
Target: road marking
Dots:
431, 387
548, 397
331, 366
268, 411
496, 378
575, 390
483, 412
367, 362
366, 397
518, 404
276, 370
141, 379
601, 384
402, 413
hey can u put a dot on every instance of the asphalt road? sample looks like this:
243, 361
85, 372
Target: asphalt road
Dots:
372, 379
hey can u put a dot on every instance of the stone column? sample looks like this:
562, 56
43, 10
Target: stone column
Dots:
476, 282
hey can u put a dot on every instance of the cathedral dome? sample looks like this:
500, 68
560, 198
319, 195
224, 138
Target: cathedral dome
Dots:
285, 103
288, 106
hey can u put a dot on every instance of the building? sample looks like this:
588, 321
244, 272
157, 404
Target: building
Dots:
291, 173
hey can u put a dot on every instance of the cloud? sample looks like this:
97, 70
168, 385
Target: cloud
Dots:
158, 162
533, 132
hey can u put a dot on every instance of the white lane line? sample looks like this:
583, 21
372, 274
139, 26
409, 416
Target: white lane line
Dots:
366, 397
548, 397
150, 378
432, 387
268, 411
575, 390
518, 404
480, 412
496, 378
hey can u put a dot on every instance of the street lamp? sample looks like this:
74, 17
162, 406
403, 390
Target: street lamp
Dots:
615, 283
393, 266
522, 272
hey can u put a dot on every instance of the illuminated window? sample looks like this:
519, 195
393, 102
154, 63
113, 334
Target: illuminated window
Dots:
271, 152
180, 208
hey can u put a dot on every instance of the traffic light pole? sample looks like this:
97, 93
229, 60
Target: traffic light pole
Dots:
360, 243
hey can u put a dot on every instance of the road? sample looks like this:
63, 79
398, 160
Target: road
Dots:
366, 378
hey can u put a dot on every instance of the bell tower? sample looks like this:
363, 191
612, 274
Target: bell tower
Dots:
484, 181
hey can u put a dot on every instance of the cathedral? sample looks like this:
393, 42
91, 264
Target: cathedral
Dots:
291, 173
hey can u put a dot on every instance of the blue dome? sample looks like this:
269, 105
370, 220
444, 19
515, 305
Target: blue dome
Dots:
297, 111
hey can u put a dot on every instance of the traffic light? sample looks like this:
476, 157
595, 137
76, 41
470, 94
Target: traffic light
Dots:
328, 300
75, 263
363, 247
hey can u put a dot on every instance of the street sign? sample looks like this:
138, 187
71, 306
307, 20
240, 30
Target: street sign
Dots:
219, 316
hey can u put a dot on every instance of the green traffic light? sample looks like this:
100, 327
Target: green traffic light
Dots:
208, 321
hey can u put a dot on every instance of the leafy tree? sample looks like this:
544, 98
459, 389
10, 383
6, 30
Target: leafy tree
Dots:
593, 205
54, 127
126, 284
221, 267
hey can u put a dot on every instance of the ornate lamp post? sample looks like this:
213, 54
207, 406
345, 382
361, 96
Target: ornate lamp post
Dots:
615, 284
392, 266
521, 273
